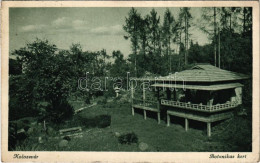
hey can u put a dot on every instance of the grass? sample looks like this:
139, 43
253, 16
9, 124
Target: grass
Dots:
158, 137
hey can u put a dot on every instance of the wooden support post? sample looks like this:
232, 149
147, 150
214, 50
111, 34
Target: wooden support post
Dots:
168, 94
132, 97
143, 93
158, 106
158, 94
145, 114
159, 117
132, 91
209, 129
158, 114
158, 98
174, 95
186, 124
168, 120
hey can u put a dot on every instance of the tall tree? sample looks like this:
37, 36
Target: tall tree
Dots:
46, 78
167, 34
132, 24
143, 41
178, 39
215, 34
186, 16
154, 30
119, 67
209, 24
247, 20
105, 56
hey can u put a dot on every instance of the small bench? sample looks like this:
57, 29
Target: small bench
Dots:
71, 132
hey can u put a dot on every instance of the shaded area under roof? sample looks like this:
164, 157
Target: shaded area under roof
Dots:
200, 87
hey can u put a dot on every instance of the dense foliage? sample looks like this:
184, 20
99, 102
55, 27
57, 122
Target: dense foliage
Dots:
154, 41
43, 78
128, 138
49, 77
53, 74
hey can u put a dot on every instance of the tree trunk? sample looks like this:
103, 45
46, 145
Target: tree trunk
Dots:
230, 22
218, 48
143, 47
185, 54
180, 57
187, 41
135, 62
170, 54
214, 40
160, 49
244, 20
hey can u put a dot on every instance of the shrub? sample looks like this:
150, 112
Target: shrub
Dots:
117, 98
60, 111
235, 133
100, 121
12, 130
87, 100
67, 138
103, 121
102, 101
128, 138
26, 128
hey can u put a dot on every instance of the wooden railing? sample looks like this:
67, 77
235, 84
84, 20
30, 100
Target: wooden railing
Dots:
199, 107
146, 103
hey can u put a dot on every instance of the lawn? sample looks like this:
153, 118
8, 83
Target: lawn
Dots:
158, 137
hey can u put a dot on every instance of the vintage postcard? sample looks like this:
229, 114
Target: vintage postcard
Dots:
130, 81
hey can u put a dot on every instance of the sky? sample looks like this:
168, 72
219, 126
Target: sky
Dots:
94, 28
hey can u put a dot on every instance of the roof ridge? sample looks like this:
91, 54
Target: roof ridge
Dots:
197, 66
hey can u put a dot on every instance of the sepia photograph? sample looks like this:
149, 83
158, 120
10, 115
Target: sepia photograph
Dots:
131, 79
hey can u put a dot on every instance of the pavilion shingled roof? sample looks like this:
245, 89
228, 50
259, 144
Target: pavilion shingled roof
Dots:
199, 73
204, 73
